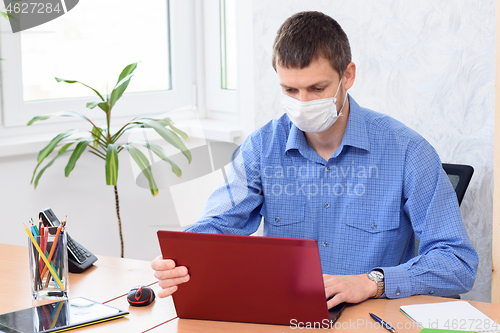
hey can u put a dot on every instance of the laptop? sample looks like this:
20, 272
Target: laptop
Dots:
264, 280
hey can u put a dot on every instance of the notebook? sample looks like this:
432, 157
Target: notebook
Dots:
58, 316
454, 315
251, 279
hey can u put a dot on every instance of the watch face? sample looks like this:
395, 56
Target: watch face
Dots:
379, 276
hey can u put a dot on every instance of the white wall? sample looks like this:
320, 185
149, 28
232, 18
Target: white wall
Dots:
427, 63
88, 203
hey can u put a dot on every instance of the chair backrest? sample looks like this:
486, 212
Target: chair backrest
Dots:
460, 176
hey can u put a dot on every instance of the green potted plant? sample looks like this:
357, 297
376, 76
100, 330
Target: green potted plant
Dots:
102, 143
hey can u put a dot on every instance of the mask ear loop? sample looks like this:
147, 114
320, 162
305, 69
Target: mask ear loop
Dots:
338, 89
342, 108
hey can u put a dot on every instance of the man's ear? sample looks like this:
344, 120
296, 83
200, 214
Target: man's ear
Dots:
349, 75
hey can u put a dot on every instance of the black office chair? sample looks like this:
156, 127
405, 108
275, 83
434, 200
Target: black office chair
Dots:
460, 176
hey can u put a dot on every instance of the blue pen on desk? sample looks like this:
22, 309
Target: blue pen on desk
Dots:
383, 323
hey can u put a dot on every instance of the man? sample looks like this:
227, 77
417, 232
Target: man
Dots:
358, 182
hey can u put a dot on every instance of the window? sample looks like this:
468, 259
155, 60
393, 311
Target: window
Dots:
220, 55
101, 44
91, 44
228, 43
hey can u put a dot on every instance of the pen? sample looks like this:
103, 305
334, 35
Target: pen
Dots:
383, 323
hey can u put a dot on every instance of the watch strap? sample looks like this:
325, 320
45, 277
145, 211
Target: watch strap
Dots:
379, 281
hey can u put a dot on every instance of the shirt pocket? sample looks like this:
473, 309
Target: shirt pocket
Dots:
378, 221
286, 219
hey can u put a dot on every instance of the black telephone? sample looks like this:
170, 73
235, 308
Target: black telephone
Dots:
79, 258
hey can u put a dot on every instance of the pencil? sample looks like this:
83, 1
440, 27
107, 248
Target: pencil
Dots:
62, 251
56, 316
35, 258
60, 245
32, 228
54, 244
36, 228
59, 283
42, 233
58, 254
49, 276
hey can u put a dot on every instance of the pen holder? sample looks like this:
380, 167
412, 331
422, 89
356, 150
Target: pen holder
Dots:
49, 264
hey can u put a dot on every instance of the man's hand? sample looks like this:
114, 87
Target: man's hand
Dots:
168, 275
348, 288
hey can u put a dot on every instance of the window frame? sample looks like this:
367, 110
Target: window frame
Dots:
16, 112
217, 100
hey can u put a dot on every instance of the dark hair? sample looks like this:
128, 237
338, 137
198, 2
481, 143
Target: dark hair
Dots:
306, 36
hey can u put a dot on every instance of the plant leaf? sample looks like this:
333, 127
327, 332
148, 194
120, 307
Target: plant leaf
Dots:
104, 106
77, 152
74, 81
122, 83
47, 166
34, 173
166, 122
125, 128
58, 114
176, 130
61, 150
144, 165
96, 134
7, 16
169, 136
126, 71
158, 150
111, 165
91, 105
117, 93
52, 144
65, 147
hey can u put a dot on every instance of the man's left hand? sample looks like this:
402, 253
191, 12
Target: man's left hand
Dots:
348, 288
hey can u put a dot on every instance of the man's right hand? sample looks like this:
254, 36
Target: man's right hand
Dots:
168, 275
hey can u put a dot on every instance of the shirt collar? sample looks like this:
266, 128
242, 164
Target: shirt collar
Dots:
296, 140
355, 133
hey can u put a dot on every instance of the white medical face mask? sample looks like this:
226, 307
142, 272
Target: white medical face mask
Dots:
313, 116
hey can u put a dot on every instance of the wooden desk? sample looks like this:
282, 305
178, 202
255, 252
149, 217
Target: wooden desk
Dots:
111, 278
354, 318
108, 282
140, 319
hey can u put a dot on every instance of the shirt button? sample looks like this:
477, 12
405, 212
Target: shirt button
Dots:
325, 244
398, 293
431, 292
327, 205
277, 219
374, 226
327, 169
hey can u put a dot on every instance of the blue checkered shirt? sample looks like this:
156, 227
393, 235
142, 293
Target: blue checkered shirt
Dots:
364, 206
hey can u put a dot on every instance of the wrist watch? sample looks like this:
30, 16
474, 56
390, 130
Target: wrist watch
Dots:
377, 275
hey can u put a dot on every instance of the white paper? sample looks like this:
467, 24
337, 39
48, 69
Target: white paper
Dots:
457, 315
